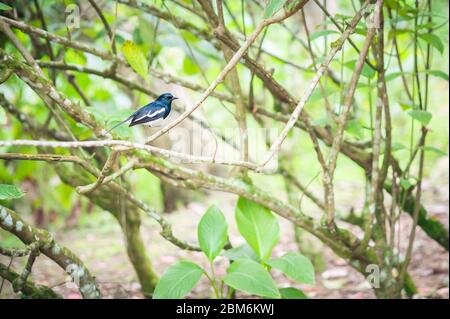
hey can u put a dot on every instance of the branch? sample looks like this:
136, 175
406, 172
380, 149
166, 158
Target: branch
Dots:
231, 64
134, 85
336, 24
19, 252
240, 113
67, 260
19, 283
29, 289
118, 189
106, 168
105, 24
128, 146
336, 47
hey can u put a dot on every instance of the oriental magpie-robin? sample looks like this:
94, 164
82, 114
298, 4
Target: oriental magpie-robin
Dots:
150, 114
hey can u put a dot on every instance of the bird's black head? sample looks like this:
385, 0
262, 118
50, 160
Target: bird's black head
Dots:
166, 98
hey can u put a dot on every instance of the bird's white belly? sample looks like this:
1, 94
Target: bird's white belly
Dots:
154, 123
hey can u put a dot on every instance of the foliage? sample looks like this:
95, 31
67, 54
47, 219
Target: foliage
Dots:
10, 192
358, 112
244, 273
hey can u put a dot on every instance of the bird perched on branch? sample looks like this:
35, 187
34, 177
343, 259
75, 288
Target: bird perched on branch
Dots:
150, 114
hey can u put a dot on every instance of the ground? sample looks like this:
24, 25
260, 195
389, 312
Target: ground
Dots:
98, 242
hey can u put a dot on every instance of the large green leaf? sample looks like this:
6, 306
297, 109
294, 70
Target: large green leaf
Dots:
439, 74
292, 293
273, 6
212, 232
423, 117
4, 6
10, 192
258, 226
249, 276
135, 57
178, 280
433, 40
295, 266
435, 150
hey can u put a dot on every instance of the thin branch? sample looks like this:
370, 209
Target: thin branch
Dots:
19, 252
240, 115
100, 180
105, 24
231, 64
19, 283
336, 24
336, 47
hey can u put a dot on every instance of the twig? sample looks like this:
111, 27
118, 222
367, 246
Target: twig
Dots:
19, 283
235, 84
106, 168
105, 24
336, 46
342, 30
231, 64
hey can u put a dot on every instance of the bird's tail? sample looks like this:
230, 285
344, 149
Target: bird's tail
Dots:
124, 121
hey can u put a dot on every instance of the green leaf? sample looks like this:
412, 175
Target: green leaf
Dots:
242, 251
212, 232
423, 117
135, 57
249, 276
439, 74
406, 105
435, 150
10, 192
392, 76
322, 33
178, 280
258, 226
433, 40
273, 7
366, 71
2, 116
75, 57
406, 184
397, 147
295, 266
4, 7
292, 293
190, 67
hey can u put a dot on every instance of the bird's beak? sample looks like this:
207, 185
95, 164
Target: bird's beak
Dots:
174, 98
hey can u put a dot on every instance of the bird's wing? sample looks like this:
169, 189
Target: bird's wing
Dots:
147, 115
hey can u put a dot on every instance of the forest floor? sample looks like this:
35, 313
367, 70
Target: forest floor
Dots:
98, 242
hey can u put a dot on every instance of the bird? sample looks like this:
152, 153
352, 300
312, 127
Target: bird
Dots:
150, 114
